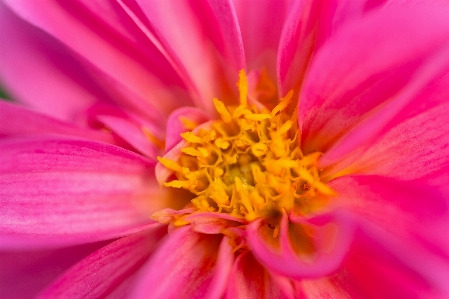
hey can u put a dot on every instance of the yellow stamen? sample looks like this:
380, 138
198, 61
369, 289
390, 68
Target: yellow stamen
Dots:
249, 163
243, 88
221, 109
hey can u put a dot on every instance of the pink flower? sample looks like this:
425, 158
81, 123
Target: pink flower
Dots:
323, 174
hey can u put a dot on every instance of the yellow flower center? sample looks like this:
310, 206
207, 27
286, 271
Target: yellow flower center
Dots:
248, 163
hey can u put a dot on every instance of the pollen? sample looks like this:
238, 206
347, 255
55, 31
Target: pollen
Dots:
249, 163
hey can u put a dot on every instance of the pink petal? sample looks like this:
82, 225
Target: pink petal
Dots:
106, 270
308, 26
360, 97
36, 69
249, 280
163, 173
175, 125
188, 265
23, 274
132, 133
255, 18
341, 285
110, 46
210, 61
212, 223
56, 192
416, 143
408, 219
374, 271
318, 251
12, 123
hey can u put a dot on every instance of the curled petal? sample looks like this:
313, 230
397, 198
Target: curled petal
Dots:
182, 120
249, 280
163, 173
191, 261
212, 223
305, 248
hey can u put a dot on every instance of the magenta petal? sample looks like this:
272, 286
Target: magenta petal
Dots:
23, 274
372, 267
261, 49
175, 125
59, 192
106, 270
332, 235
340, 285
36, 69
210, 61
416, 144
211, 222
249, 280
309, 24
16, 120
132, 133
111, 50
187, 265
410, 221
346, 105
163, 173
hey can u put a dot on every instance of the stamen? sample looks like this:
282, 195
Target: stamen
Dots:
249, 164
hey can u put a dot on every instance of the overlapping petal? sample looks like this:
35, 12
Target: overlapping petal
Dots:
57, 85
20, 121
23, 274
191, 261
305, 248
408, 223
250, 280
56, 192
110, 271
358, 98
117, 54
210, 61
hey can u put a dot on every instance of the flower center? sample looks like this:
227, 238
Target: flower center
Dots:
248, 163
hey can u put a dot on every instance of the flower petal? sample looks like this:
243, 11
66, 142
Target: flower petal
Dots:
37, 70
132, 133
210, 61
346, 105
110, 46
175, 125
190, 261
58, 192
341, 285
308, 25
107, 269
261, 49
372, 267
408, 220
23, 274
12, 123
416, 143
248, 279
307, 248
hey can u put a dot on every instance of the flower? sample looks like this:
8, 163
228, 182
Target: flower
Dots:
134, 166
